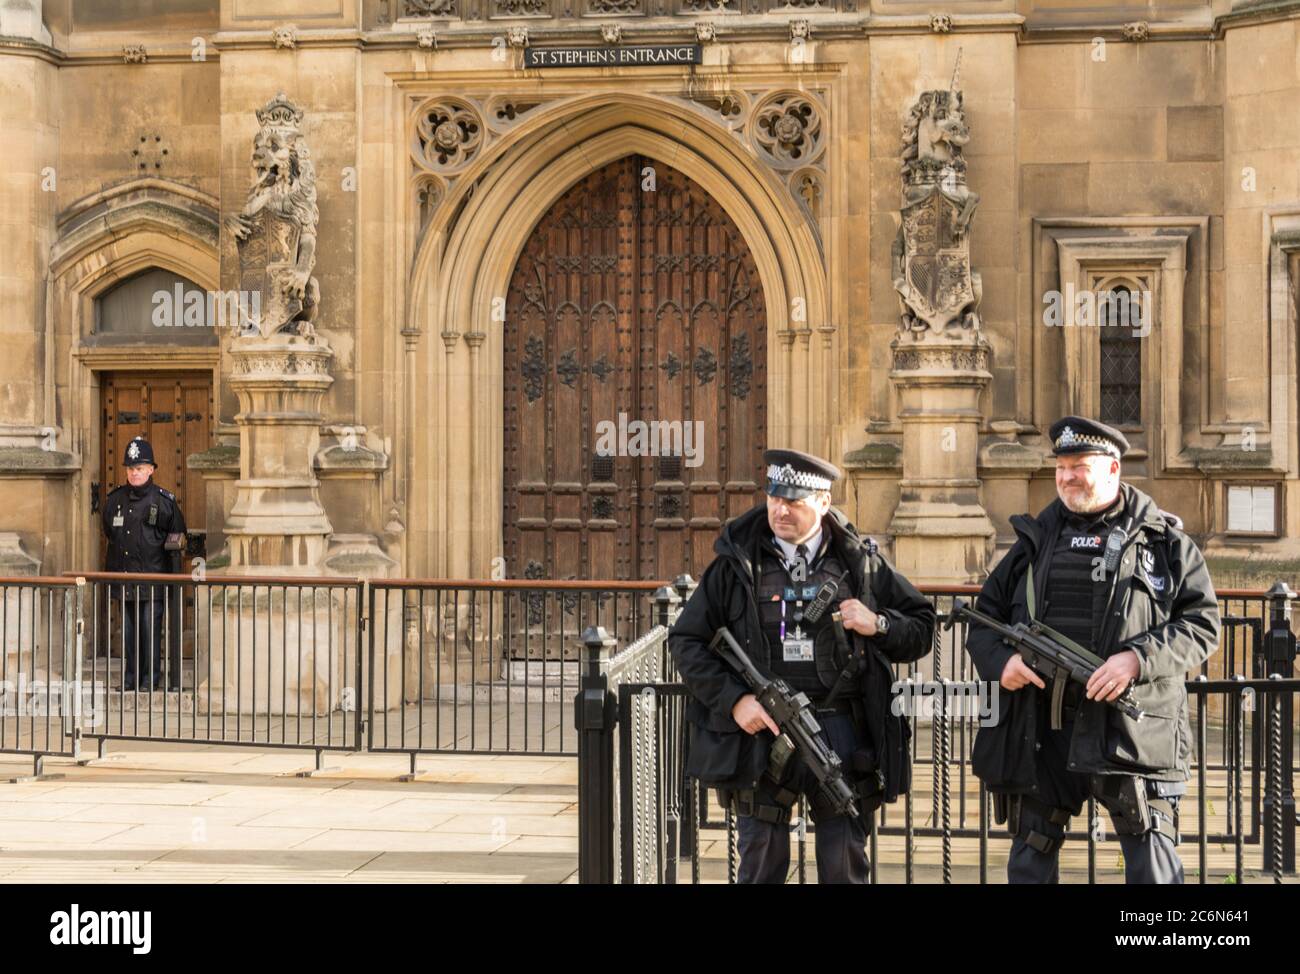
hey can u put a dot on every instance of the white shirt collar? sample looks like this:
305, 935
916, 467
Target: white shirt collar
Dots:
814, 545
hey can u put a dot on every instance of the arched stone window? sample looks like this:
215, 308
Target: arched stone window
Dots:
155, 307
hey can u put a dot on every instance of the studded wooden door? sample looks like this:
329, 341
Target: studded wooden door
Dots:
173, 411
635, 380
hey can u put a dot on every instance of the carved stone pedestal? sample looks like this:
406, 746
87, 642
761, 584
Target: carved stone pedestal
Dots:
941, 531
277, 524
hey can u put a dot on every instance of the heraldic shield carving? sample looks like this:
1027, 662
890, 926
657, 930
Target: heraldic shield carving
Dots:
936, 283
938, 292
267, 260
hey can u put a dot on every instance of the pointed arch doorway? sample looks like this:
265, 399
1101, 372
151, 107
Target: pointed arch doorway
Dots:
635, 326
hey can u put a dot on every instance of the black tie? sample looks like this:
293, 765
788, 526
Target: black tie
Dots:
799, 572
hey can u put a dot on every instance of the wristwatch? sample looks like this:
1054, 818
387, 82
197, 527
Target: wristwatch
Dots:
882, 624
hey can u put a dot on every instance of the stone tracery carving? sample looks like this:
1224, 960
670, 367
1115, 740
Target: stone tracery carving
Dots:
448, 135
521, 8
430, 8
786, 128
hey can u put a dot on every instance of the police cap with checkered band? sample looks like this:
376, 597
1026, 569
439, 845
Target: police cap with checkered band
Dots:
1076, 434
794, 475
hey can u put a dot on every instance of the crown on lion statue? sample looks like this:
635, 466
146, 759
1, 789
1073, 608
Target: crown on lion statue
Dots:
279, 111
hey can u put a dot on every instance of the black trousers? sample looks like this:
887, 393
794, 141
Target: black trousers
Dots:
142, 638
840, 840
1151, 858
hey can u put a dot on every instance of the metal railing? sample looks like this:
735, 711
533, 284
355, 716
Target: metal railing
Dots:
630, 791
270, 661
1228, 804
41, 691
1242, 757
318, 663
486, 667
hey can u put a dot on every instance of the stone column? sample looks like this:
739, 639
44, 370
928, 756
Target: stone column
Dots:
941, 531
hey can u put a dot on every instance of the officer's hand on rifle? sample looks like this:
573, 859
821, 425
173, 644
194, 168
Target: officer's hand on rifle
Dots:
1017, 674
751, 716
858, 617
1113, 677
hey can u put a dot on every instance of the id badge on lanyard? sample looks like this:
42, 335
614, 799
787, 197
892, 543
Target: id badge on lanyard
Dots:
797, 648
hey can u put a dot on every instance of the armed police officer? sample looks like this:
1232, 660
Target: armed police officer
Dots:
144, 526
771, 564
1105, 568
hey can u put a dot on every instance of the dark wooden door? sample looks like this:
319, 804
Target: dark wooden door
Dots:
631, 305
173, 411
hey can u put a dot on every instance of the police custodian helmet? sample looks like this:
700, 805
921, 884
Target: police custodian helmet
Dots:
1075, 434
795, 475
138, 451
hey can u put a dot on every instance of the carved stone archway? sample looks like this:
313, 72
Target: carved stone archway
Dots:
104, 239
470, 249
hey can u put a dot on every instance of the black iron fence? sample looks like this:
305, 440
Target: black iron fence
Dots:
317, 663
270, 661
1241, 797
487, 667
41, 689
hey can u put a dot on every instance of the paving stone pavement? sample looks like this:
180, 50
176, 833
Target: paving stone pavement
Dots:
161, 813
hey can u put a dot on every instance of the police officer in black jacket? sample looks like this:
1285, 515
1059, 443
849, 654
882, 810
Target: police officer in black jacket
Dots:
1103, 566
138, 518
770, 564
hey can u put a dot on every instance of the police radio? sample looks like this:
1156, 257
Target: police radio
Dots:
822, 601
1115, 544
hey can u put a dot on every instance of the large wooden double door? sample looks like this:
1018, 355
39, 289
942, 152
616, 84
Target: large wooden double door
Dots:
635, 302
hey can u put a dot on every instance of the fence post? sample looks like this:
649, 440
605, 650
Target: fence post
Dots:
685, 586
680, 825
668, 604
1279, 661
594, 718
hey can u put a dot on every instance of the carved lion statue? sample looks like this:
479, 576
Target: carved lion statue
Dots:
284, 185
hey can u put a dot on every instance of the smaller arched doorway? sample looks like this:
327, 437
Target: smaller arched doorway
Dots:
142, 318
635, 379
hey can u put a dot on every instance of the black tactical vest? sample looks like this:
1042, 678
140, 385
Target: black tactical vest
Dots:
1077, 588
775, 587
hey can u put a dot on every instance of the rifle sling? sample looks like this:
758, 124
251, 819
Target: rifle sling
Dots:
1057, 721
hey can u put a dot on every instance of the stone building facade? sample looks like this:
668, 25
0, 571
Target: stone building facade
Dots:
497, 275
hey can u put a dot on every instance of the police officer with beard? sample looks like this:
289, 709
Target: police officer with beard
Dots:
140, 520
771, 564
1106, 568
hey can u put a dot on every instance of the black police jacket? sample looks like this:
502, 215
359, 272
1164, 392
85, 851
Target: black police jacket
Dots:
723, 755
1161, 605
148, 514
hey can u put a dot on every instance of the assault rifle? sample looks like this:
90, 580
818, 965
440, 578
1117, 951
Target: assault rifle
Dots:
1051, 655
794, 715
